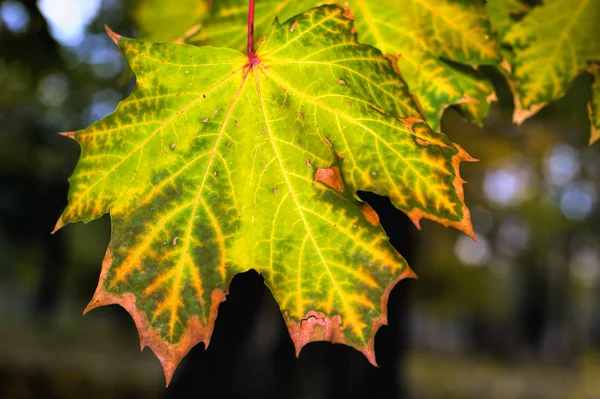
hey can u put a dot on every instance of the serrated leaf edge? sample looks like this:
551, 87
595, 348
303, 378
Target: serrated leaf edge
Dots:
316, 326
169, 355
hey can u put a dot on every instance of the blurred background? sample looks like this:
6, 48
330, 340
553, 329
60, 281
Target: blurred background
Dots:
515, 315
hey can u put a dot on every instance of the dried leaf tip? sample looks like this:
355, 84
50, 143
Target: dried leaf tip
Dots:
70, 135
59, 225
115, 37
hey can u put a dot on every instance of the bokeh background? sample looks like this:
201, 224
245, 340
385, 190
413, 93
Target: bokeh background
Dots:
515, 315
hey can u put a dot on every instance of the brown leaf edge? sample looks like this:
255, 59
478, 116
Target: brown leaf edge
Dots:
594, 70
317, 326
416, 215
595, 132
169, 355
520, 114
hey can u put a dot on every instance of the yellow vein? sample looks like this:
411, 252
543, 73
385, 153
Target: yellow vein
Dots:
348, 309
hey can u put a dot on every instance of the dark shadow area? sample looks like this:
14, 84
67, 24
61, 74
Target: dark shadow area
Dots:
251, 354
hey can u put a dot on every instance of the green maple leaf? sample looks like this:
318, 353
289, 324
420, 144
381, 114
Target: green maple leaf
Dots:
551, 46
218, 163
424, 33
154, 18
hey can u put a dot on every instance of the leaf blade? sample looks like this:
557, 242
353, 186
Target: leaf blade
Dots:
231, 154
551, 46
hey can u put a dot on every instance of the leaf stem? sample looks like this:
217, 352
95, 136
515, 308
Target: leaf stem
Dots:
251, 54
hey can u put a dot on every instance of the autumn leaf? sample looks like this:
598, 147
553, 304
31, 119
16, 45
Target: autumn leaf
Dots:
421, 34
219, 163
425, 34
154, 18
551, 46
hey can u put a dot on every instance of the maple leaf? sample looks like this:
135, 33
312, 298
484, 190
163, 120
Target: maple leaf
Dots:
154, 18
425, 34
551, 46
219, 163
421, 34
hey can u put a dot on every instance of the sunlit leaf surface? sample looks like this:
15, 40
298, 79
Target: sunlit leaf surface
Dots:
217, 164
551, 45
420, 34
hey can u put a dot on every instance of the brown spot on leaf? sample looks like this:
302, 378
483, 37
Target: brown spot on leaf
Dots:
175, 240
205, 120
370, 215
300, 115
307, 161
294, 26
410, 121
236, 123
331, 177
348, 12
172, 145
274, 190
422, 142
328, 142
339, 154
341, 81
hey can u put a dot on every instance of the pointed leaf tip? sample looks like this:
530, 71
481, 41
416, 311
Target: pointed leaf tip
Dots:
115, 37
59, 225
168, 353
70, 135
